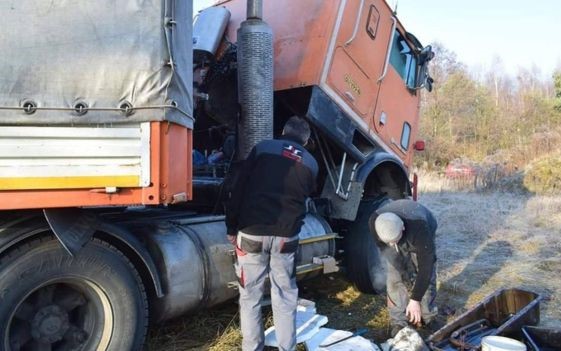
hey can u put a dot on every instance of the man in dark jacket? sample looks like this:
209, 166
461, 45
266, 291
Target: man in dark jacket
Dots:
266, 209
405, 232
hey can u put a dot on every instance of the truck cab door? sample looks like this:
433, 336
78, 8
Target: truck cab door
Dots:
358, 56
396, 115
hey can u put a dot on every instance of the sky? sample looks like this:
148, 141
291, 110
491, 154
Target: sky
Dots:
521, 33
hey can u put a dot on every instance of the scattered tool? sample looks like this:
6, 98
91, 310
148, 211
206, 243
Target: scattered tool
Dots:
470, 336
356, 333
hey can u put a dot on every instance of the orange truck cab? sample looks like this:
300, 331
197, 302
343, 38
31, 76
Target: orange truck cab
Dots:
357, 55
355, 73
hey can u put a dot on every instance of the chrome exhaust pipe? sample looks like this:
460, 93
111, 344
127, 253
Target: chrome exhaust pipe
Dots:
254, 9
255, 79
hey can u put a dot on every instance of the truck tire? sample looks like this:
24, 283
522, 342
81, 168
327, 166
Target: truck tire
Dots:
52, 301
362, 257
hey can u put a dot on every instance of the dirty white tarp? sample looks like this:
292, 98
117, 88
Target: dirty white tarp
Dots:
310, 332
407, 339
308, 323
101, 53
326, 336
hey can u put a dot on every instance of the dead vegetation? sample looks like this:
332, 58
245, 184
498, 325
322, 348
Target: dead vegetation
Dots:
492, 240
543, 176
485, 241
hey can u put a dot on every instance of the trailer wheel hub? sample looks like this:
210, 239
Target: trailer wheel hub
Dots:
50, 324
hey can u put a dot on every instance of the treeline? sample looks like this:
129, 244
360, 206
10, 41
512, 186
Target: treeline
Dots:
488, 116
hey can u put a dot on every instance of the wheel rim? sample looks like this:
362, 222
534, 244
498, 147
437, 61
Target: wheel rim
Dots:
60, 315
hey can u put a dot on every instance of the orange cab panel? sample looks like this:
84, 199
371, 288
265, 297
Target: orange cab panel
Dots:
301, 32
359, 55
397, 112
351, 83
400, 117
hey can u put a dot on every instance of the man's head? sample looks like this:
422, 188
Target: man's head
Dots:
298, 129
389, 228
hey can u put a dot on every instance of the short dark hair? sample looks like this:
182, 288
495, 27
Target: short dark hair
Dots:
297, 128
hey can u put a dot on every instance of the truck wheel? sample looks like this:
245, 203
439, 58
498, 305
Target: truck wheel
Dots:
362, 257
52, 301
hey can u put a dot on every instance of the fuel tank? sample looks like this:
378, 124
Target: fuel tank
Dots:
195, 260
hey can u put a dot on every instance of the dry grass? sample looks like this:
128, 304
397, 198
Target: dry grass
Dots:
431, 182
490, 241
201, 331
218, 329
485, 242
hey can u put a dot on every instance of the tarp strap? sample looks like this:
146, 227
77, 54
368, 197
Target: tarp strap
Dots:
126, 110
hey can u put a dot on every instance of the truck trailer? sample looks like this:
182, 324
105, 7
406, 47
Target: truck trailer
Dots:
121, 122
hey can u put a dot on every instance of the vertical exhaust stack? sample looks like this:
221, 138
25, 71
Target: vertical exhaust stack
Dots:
255, 79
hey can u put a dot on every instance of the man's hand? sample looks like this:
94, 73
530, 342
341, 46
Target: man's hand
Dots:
413, 312
232, 239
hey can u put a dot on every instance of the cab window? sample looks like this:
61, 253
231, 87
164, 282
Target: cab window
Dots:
405, 134
403, 60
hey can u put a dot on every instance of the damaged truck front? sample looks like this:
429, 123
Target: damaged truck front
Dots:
119, 121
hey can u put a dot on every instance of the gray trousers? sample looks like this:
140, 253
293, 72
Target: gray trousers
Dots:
257, 258
400, 281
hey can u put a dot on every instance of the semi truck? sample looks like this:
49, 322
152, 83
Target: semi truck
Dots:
121, 122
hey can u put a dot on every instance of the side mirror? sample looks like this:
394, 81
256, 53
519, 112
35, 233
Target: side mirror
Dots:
425, 56
428, 83
419, 145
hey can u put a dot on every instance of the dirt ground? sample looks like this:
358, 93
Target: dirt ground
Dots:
484, 242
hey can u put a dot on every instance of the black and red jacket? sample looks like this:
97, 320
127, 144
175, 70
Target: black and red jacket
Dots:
269, 190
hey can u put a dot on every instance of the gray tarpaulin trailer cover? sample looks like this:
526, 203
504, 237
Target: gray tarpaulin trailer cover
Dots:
90, 61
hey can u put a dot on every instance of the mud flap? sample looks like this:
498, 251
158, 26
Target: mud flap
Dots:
73, 227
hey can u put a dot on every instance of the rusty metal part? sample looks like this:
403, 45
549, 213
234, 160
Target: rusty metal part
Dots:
506, 311
470, 336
